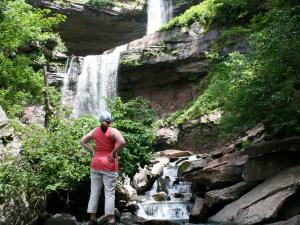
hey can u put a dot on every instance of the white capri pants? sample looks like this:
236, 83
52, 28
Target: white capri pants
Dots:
98, 178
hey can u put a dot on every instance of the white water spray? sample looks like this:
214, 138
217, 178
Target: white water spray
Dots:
159, 12
96, 83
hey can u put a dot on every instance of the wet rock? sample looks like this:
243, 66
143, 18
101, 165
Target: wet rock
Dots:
263, 202
122, 195
178, 195
56, 79
62, 219
51, 43
166, 137
286, 145
220, 197
160, 196
190, 166
293, 221
157, 168
32, 46
130, 219
261, 167
220, 172
199, 212
59, 56
52, 68
142, 180
172, 153
132, 207
33, 114
18, 210
131, 191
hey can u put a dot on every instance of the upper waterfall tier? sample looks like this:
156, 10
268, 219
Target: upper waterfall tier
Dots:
159, 12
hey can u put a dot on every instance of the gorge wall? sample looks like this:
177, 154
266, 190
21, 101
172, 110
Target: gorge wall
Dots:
89, 30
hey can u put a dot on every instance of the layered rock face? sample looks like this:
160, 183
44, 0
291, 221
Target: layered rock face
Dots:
257, 185
90, 31
166, 68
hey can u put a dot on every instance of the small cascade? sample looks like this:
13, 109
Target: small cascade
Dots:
159, 12
177, 205
87, 92
70, 81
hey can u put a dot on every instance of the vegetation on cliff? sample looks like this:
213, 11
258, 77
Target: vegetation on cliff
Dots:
256, 86
21, 26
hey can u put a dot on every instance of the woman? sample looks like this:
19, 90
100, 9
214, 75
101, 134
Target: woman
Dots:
104, 167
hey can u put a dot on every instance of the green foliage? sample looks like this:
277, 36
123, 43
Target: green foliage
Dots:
134, 118
222, 12
257, 86
20, 85
100, 3
53, 159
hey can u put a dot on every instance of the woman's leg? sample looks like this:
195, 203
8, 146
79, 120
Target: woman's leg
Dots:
96, 185
109, 180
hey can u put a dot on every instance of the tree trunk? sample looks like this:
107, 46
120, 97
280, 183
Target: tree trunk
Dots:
48, 109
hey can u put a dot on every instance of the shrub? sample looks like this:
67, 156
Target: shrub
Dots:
221, 12
257, 86
53, 159
100, 3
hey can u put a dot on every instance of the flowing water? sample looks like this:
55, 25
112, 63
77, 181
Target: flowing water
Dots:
177, 207
159, 12
96, 83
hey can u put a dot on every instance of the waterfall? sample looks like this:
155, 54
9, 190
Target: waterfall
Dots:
70, 80
159, 12
96, 83
177, 207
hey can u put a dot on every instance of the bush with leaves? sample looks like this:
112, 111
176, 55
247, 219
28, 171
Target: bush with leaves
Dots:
53, 159
134, 118
257, 86
218, 12
20, 24
100, 3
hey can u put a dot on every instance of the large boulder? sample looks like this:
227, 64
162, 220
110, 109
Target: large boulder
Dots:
293, 221
33, 115
172, 153
220, 172
264, 166
220, 197
264, 202
189, 166
199, 211
166, 137
291, 144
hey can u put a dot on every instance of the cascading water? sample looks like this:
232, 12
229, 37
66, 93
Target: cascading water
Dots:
159, 12
71, 76
177, 206
96, 83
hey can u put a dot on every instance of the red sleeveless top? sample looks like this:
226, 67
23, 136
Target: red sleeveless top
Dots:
104, 146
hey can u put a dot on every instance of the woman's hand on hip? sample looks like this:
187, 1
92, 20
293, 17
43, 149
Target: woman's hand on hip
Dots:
112, 156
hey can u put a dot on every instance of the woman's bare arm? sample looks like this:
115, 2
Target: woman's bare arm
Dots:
85, 140
120, 142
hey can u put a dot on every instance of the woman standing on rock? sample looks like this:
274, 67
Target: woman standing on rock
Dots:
104, 167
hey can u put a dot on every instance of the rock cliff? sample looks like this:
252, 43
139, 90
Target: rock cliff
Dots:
90, 31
